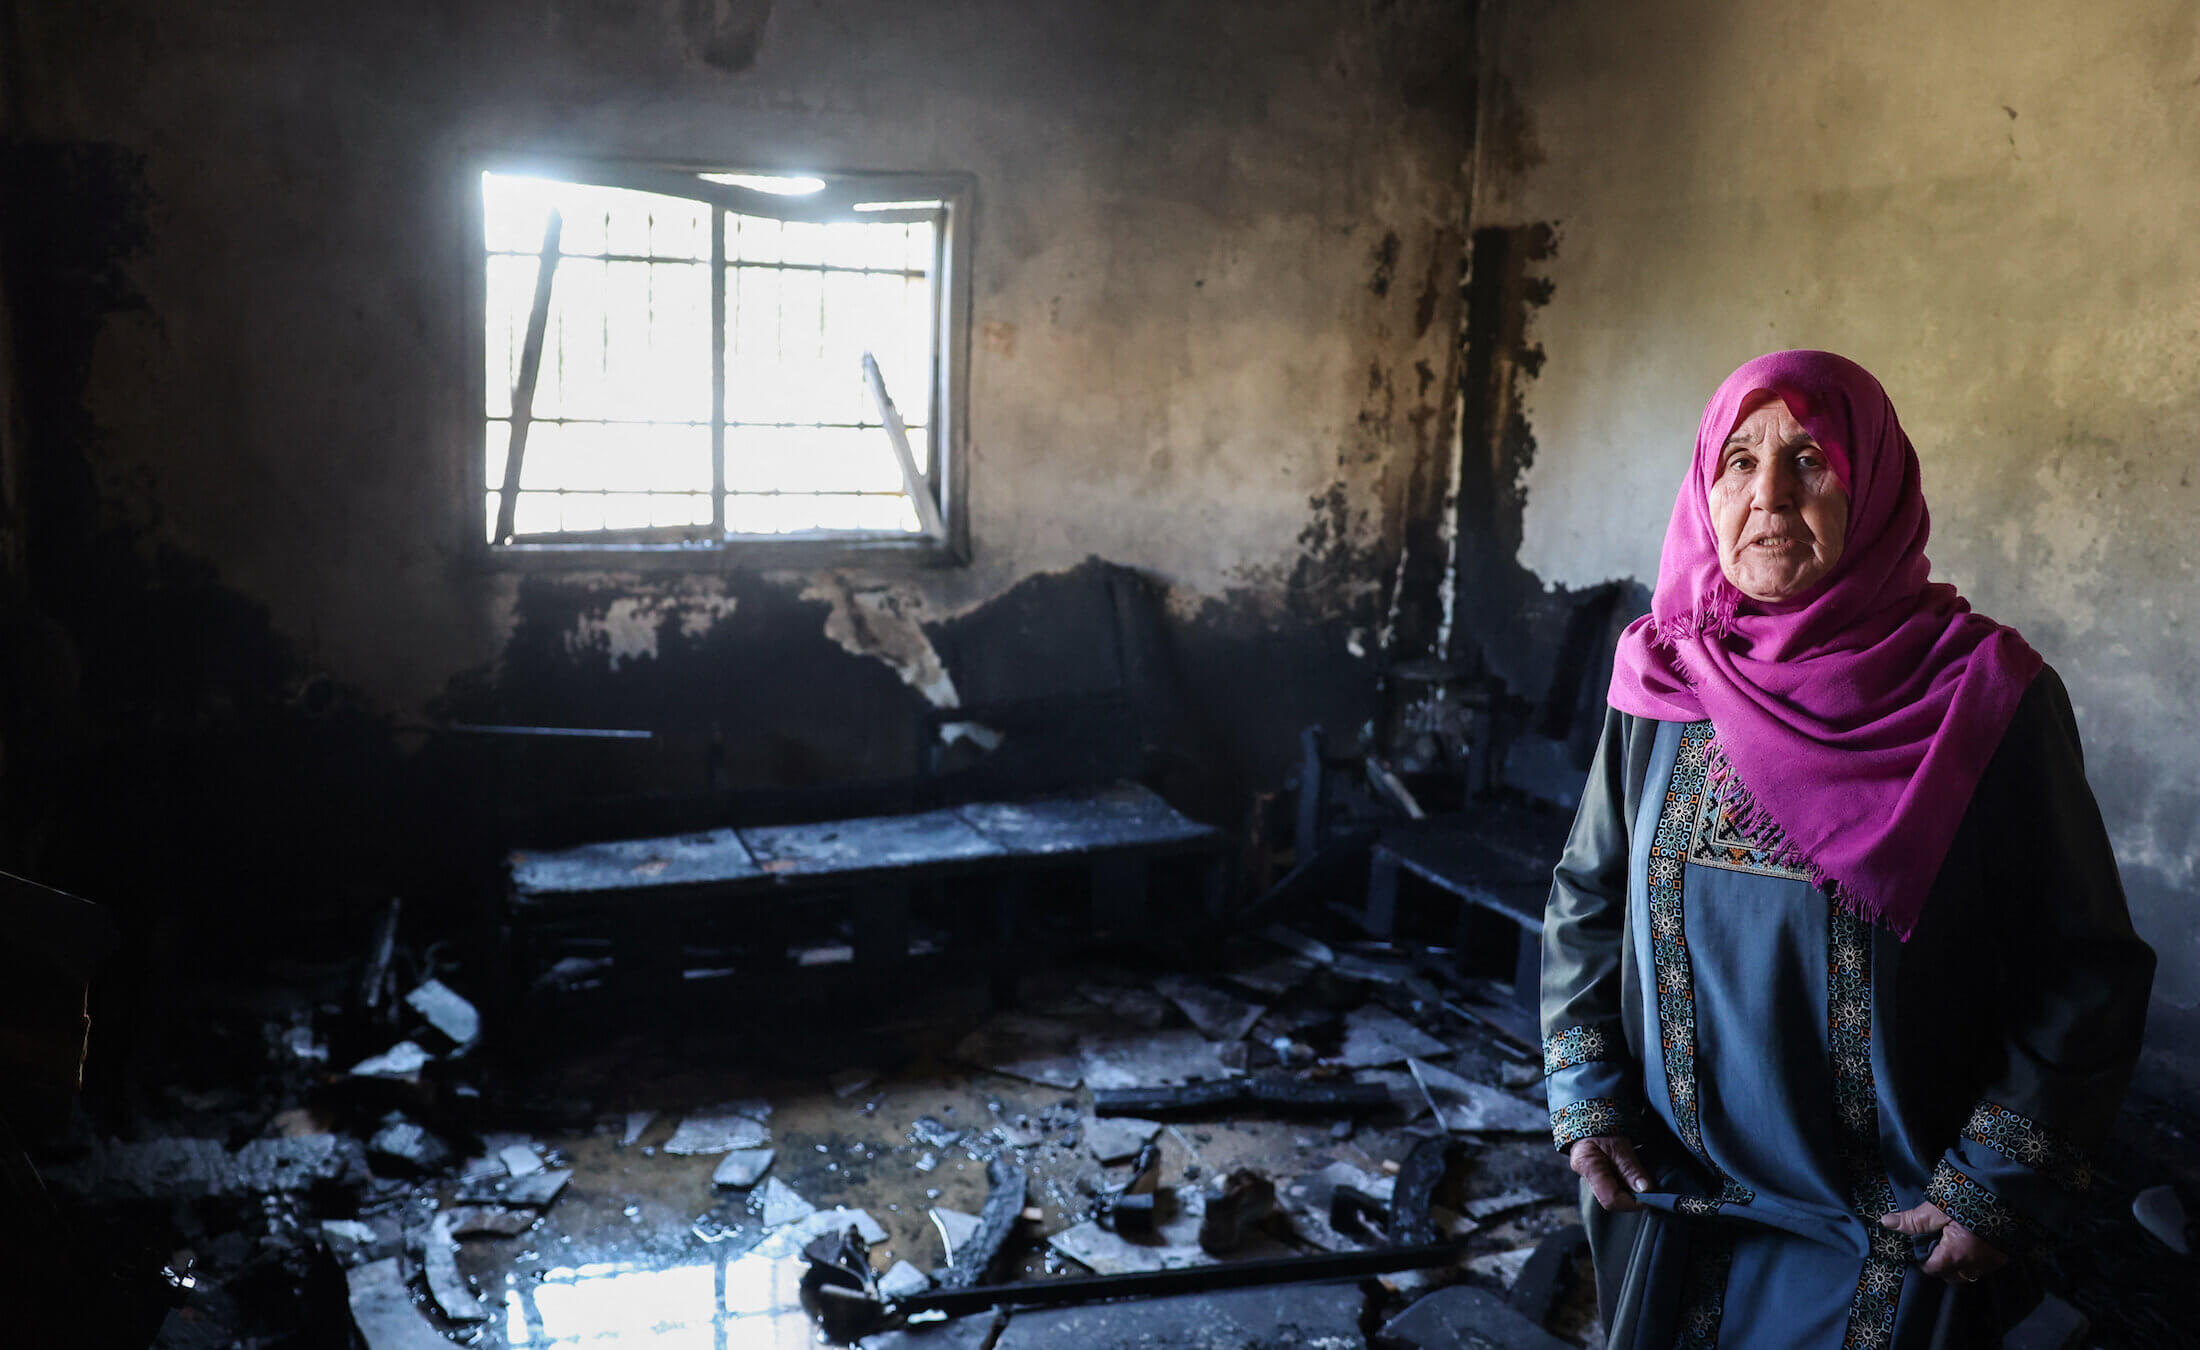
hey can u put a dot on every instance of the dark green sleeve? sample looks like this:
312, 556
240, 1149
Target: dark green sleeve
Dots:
1590, 1073
2073, 987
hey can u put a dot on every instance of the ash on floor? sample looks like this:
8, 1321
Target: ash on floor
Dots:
659, 1189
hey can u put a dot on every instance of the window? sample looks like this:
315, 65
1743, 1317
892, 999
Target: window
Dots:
683, 361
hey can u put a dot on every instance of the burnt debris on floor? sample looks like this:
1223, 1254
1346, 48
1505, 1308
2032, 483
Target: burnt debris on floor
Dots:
379, 1166
1083, 1167
1118, 1116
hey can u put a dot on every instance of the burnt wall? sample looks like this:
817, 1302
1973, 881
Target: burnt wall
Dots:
1213, 368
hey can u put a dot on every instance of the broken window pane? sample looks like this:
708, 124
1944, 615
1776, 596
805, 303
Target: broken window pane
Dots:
625, 410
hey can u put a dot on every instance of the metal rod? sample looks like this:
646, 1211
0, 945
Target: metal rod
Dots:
1391, 786
920, 494
1186, 1279
666, 260
697, 422
530, 367
573, 733
718, 371
690, 492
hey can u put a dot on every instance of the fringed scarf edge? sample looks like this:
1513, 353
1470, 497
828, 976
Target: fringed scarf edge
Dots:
1747, 812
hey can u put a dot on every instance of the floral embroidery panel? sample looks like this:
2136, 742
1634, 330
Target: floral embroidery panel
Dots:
1977, 1209
1720, 839
1575, 1045
1856, 1100
1586, 1119
1703, 1297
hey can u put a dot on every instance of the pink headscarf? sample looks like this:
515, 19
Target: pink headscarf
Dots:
1859, 716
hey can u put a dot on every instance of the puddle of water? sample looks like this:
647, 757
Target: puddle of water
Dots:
730, 1303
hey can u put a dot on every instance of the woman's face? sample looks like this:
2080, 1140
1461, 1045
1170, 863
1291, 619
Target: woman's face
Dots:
1780, 512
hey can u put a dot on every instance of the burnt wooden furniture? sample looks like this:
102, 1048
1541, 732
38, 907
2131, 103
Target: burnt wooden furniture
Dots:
644, 902
1496, 862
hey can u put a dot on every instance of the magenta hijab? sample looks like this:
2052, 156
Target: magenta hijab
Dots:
1859, 716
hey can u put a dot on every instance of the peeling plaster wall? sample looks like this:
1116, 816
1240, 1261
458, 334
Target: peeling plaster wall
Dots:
1214, 304
1988, 205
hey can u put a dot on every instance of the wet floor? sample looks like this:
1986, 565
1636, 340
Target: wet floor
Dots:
642, 1249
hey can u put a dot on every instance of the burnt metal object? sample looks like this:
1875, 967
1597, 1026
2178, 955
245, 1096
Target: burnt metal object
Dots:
1167, 1099
840, 1285
1247, 1198
530, 367
1138, 1217
840, 1258
1185, 1279
1137, 1210
1145, 1169
1279, 1093
1003, 1205
897, 435
501, 729
1411, 1195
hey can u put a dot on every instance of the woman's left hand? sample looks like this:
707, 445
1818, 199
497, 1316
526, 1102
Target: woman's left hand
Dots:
1960, 1256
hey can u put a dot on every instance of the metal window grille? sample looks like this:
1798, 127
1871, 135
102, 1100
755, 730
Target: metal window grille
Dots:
682, 358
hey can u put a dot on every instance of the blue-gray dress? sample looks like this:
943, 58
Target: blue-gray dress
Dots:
1790, 1072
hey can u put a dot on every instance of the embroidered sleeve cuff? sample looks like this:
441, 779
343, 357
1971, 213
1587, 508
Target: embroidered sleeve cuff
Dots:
1585, 1119
1578, 1045
2029, 1144
1970, 1203
2036, 1172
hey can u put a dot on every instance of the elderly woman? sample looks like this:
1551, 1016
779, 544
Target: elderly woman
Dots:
1838, 981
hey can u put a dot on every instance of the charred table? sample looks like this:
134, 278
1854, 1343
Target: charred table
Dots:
646, 900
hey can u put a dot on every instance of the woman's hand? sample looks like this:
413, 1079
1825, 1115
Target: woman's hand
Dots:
1959, 1257
1607, 1162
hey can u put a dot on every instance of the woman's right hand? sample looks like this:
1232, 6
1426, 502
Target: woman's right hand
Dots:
1608, 1163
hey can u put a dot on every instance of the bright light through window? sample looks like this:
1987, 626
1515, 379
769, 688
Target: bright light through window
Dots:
773, 183
700, 373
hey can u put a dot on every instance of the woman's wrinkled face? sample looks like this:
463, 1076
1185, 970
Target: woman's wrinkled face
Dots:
1778, 508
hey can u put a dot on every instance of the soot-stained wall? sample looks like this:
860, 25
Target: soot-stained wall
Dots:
1985, 205
1215, 309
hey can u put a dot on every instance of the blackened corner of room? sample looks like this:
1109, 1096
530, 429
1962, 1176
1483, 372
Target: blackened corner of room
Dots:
1545, 649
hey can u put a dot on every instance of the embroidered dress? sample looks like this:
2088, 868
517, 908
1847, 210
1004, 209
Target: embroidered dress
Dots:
1789, 1072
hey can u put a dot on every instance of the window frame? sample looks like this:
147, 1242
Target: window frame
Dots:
946, 399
